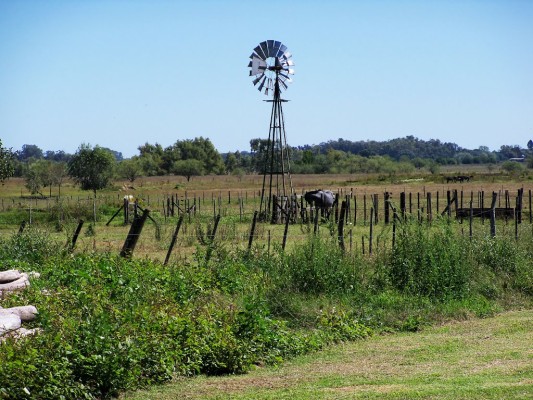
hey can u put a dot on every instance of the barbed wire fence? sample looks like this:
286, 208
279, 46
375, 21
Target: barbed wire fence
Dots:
359, 213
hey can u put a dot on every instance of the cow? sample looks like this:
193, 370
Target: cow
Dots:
322, 199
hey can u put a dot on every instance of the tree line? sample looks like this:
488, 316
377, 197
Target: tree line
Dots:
93, 167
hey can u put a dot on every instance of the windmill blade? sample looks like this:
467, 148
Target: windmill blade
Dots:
264, 47
270, 44
260, 53
287, 54
258, 79
275, 48
282, 49
286, 78
262, 84
283, 84
258, 66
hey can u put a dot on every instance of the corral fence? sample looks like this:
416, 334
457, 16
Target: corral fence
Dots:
354, 209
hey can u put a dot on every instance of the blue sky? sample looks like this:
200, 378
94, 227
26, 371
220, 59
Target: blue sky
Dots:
122, 73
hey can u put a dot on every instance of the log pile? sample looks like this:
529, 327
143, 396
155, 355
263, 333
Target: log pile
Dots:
11, 319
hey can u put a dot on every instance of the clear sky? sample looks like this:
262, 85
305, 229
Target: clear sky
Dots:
122, 73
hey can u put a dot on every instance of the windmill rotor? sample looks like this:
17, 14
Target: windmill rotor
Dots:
271, 60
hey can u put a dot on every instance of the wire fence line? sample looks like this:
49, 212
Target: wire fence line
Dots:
362, 215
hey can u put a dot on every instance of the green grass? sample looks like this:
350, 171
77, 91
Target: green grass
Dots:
110, 325
488, 358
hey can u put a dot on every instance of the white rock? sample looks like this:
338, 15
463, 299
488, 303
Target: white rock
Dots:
9, 322
25, 313
17, 284
9, 276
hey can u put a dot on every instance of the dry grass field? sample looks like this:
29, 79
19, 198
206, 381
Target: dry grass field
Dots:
236, 199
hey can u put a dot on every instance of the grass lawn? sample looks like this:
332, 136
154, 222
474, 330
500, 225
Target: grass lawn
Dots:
475, 359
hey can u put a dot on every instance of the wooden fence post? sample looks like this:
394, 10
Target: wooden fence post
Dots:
286, 230
173, 241
76, 234
341, 226
211, 237
471, 217
493, 214
315, 228
371, 233
252, 231
387, 205
133, 235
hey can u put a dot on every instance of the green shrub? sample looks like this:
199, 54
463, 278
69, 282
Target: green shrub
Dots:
432, 263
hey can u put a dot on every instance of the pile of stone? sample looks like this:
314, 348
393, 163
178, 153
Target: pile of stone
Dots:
11, 319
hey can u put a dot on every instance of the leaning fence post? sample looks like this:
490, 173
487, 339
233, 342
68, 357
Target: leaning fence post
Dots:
341, 226
76, 234
173, 241
252, 231
133, 235
211, 237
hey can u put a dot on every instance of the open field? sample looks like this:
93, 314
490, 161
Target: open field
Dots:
488, 358
110, 324
235, 199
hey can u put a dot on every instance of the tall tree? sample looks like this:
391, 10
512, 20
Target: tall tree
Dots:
30, 151
91, 168
188, 168
130, 168
6, 163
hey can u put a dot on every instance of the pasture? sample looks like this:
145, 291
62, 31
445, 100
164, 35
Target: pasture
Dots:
108, 324
236, 198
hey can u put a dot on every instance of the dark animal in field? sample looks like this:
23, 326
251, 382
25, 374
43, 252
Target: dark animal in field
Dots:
464, 178
322, 199
458, 178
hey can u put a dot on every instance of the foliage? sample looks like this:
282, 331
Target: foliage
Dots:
430, 263
6, 163
199, 150
188, 168
91, 168
512, 167
110, 324
130, 169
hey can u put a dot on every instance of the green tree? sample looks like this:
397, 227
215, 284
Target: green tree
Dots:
30, 151
45, 173
230, 163
130, 169
6, 163
91, 168
188, 168
60, 172
512, 167
32, 178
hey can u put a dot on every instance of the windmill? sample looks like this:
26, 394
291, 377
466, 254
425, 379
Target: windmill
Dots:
270, 66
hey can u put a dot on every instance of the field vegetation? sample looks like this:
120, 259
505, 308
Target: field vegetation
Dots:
110, 324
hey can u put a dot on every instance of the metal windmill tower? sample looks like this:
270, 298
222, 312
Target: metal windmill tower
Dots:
270, 65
